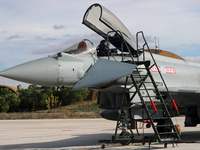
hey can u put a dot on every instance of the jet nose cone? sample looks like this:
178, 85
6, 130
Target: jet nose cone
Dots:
41, 72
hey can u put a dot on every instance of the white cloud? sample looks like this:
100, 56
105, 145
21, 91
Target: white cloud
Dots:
71, 40
57, 27
29, 29
14, 37
174, 22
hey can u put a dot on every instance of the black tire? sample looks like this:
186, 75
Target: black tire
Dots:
125, 134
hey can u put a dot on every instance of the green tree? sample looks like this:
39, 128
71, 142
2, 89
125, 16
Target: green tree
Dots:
9, 101
4, 105
45, 93
34, 98
68, 97
27, 103
63, 95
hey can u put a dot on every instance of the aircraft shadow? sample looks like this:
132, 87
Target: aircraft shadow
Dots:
79, 140
92, 140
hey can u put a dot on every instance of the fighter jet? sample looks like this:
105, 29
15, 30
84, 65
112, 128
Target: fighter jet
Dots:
125, 71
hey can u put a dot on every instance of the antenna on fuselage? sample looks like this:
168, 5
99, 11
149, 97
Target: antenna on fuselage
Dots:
157, 44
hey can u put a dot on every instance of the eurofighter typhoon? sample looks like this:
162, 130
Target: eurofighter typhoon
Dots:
134, 83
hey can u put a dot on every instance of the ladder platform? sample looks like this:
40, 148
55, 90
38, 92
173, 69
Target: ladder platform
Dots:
146, 63
139, 139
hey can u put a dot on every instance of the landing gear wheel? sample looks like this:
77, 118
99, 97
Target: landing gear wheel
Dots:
124, 135
103, 146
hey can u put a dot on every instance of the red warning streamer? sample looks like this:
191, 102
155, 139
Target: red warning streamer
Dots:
174, 104
153, 105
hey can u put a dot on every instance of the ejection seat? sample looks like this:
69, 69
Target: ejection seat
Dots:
103, 48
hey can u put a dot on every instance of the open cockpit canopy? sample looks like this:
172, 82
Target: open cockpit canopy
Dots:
102, 21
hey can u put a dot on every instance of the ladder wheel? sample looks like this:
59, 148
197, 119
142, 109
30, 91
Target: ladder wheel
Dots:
124, 135
165, 145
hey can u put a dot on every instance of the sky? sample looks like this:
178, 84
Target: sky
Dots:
37, 28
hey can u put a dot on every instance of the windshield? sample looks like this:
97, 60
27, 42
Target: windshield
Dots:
83, 47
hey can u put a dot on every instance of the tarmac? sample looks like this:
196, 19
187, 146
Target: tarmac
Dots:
81, 134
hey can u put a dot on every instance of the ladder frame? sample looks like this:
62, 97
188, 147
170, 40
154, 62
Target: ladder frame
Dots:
123, 121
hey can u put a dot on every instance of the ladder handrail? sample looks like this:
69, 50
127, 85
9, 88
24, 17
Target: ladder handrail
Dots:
147, 110
154, 62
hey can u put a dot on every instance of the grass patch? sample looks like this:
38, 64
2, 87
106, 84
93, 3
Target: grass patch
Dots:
85, 109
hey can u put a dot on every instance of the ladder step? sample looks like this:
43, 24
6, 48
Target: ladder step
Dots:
151, 111
169, 140
159, 110
140, 49
147, 89
148, 82
139, 76
157, 103
167, 133
161, 118
150, 96
149, 104
166, 125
